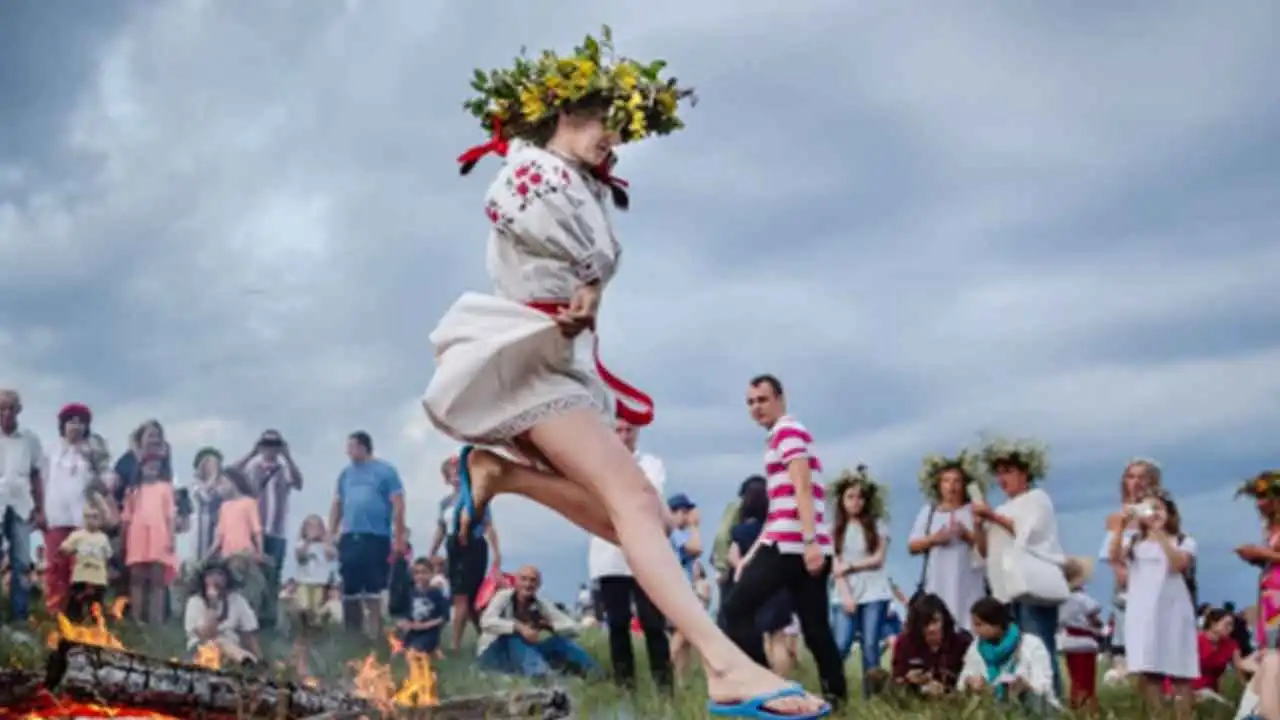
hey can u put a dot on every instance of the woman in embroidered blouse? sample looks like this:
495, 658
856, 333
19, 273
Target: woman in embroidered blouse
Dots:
64, 498
947, 536
518, 367
1141, 477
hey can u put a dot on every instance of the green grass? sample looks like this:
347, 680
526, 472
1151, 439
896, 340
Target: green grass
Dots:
332, 653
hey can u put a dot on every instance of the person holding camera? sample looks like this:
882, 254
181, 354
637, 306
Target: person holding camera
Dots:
273, 475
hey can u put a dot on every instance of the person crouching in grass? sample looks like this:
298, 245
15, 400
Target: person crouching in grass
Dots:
426, 612
90, 549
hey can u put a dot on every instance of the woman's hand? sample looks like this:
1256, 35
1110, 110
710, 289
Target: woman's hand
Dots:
1251, 554
980, 510
581, 313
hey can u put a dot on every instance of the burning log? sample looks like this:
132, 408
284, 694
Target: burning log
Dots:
18, 687
116, 677
547, 704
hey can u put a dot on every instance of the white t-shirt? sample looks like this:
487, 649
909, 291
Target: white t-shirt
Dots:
868, 585
240, 619
316, 570
1035, 527
604, 559
20, 454
1074, 614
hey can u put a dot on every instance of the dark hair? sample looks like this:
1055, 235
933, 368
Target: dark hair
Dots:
202, 590
362, 438
992, 612
766, 379
870, 533
922, 612
1213, 616
754, 505
423, 562
752, 480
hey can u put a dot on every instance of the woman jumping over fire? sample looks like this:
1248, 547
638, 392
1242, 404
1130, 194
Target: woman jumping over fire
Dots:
518, 369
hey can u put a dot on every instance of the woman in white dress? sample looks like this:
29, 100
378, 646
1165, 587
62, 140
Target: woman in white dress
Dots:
518, 368
1160, 618
945, 533
1140, 478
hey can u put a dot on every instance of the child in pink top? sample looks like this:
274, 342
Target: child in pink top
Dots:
239, 530
149, 516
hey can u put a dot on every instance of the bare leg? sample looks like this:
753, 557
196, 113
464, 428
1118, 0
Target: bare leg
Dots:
158, 592
138, 592
461, 615
1266, 685
608, 479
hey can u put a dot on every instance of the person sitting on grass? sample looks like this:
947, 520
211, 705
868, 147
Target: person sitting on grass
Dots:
218, 615
427, 610
1012, 665
523, 635
928, 657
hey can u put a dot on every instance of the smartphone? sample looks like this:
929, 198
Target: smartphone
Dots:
975, 492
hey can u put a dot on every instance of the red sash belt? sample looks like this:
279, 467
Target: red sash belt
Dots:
638, 406
1080, 632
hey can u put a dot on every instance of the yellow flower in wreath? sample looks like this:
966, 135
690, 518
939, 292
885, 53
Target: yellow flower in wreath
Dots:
638, 128
531, 105
625, 77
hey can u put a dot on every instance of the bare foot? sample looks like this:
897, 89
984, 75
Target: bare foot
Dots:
750, 680
484, 468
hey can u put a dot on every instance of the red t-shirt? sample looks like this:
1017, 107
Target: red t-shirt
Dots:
1214, 660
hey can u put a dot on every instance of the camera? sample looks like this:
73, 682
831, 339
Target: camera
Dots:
1142, 510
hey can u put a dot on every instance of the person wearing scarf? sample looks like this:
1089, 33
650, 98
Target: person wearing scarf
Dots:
1012, 665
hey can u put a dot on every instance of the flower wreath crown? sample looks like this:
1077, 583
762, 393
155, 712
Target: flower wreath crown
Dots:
877, 495
515, 102
1031, 455
967, 462
1265, 484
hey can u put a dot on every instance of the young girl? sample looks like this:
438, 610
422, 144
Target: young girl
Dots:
149, 516
1160, 621
218, 615
238, 538
1080, 620
861, 582
89, 549
315, 567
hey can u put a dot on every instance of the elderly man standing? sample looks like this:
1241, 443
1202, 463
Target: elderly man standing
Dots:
524, 635
619, 591
273, 475
367, 517
21, 498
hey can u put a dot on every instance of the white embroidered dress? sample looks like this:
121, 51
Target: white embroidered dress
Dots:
502, 366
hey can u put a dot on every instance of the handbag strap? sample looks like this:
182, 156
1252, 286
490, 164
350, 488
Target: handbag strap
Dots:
924, 568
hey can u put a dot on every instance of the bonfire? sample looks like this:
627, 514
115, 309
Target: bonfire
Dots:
91, 674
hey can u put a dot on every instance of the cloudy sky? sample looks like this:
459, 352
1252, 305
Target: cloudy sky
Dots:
1043, 221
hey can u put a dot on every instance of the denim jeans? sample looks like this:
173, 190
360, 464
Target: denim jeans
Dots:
865, 624
1041, 621
16, 533
513, 655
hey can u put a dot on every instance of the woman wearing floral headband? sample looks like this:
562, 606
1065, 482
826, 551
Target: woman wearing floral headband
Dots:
947, 536
863, 590
519, 368
1025, 561
1265, 491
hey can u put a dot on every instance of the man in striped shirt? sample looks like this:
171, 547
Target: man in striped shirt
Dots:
794, 550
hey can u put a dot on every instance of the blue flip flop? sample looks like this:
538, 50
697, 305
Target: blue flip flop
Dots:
466, 501
755, 707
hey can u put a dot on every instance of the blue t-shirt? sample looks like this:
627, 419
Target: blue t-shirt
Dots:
424, 606
679, 538
365, 490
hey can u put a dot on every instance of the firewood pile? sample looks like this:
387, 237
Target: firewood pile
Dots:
88, 680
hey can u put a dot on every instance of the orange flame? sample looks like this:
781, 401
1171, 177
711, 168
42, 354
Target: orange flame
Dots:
208, 656
95, 633
374, 680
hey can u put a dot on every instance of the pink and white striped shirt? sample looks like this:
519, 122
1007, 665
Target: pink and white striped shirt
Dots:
788, 440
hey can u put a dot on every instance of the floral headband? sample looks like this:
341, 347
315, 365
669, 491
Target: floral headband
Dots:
876, 495
968, 462
515, 102
1029, 455
1264, 485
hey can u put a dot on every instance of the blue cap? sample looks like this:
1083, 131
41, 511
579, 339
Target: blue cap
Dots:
680, 501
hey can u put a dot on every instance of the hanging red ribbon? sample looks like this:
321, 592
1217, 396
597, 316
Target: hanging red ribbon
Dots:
497, 145
638, 408
617, 186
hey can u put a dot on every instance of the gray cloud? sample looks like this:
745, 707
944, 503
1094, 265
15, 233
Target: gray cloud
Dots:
927, 224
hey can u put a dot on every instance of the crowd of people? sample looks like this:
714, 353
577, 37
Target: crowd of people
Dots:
997, 602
